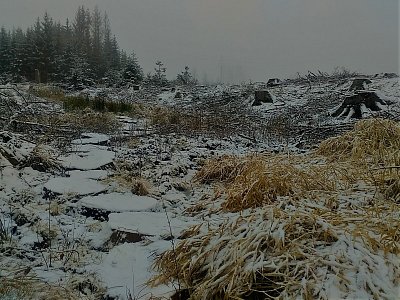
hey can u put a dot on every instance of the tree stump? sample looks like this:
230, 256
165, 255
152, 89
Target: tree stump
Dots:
355, 106
273, 82
360, 84
261, 97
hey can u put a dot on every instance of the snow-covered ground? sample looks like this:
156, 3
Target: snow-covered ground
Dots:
63, 224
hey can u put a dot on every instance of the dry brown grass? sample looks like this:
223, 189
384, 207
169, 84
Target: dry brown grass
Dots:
222, 169
130, 181
69, 125
173, 120
320, 227
374, 146
49, 92
137, 185
253, 181
29, 287
195, 122
261, 182
359, 155
89, 121
374, 140
272, 253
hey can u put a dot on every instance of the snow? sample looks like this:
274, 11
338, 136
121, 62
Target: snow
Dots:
128, 267
91, 138
75, 185
167, 98
90, 174
147, 223
88, 157
118, 202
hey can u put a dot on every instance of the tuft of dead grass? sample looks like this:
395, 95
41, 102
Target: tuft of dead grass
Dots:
222, 169
261, 182
284, 253
255, 180
48, 92
136, 184
374, 146
375, 140
29, 287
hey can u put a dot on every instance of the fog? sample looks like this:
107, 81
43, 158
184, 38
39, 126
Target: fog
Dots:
241, 40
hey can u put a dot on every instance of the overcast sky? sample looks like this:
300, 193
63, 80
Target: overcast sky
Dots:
244, 39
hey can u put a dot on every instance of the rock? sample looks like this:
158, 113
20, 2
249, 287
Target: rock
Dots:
359, 105
178, 95
261, 97
360, 84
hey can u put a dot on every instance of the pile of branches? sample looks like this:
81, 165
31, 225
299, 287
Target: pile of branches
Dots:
339, 76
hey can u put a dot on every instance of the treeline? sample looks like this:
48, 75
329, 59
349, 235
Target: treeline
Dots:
77, 53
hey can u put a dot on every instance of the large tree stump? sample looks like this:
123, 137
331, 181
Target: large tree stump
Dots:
360, 84
261, 97
355, 106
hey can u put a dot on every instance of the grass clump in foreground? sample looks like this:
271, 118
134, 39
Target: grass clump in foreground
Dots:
287, 252
313, 227
374, 146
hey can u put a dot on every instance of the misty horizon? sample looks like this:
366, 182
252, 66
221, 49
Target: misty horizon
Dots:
233, 42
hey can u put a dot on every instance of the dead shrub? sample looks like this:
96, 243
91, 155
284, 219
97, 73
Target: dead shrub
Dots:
223, 169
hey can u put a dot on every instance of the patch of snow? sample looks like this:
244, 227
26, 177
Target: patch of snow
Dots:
75, 185
116, 202
127, 267
91, 138
90, 174
148, 223
88, 157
